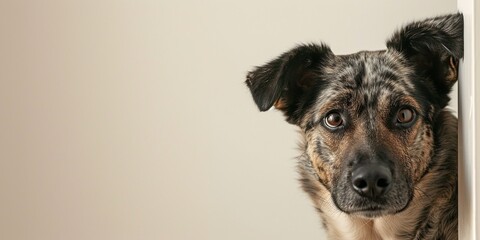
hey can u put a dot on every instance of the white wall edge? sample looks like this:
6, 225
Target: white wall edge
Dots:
468, 113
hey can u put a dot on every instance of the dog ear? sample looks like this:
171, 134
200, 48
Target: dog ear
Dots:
433, 47
284, 81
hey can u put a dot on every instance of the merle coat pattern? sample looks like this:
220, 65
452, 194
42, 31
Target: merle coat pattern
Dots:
379, 149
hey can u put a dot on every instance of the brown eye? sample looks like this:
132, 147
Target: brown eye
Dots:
405, 115
333, 120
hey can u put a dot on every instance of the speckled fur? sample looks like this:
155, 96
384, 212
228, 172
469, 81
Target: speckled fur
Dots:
417, 70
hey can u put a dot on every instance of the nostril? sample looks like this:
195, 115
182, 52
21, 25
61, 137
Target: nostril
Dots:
382, 183
360, 183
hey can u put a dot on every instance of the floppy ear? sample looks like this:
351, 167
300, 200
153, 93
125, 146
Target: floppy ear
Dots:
284, 81
433, 47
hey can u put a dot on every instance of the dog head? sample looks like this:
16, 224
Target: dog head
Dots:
367, 117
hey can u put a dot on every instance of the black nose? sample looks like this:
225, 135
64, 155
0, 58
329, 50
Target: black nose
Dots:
371, 180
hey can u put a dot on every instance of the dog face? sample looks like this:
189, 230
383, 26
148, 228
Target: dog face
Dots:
367, 118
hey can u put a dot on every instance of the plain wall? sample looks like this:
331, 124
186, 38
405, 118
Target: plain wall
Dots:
468, 112
130, 119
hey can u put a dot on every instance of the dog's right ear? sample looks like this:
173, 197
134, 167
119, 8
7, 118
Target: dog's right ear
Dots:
285, 80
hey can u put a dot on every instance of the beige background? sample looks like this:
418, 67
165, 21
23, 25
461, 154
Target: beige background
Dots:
130, 120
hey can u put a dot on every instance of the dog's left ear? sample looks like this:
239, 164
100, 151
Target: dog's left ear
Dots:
287, 79
433, 47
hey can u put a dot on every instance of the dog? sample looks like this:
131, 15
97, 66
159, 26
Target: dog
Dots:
379, 147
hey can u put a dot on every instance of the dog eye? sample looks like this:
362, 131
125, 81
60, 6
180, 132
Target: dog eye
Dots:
333, 120
405, 115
